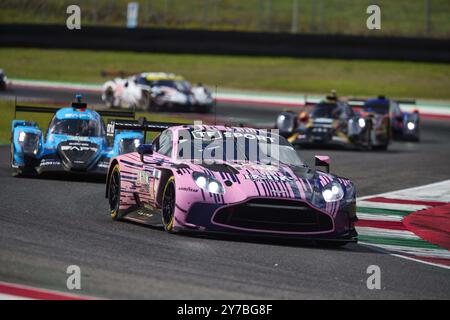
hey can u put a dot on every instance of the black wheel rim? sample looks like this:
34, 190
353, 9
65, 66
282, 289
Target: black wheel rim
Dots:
369, 136
12, 155
168, 203
114, 192
110, 96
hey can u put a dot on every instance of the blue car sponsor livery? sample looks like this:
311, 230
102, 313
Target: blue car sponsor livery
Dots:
76, 141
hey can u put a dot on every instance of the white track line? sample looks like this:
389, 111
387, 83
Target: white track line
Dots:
387, 233
378, 217
390, 206
385, 251
442, 185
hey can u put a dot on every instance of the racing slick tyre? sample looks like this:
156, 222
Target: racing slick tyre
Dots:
14, 171
383, 147
168, 204
154, 105
415, 138
332, 244
114, 193
109, 98
25, 171
203, 109
368, 146
145, 100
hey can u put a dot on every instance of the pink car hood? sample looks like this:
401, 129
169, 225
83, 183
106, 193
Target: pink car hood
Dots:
247, 180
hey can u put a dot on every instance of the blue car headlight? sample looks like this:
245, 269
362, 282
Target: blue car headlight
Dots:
22, 136
208, 183
333, 192
29, 142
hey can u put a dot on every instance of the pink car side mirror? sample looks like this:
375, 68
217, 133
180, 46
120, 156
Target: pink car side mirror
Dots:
144, 149
323, 161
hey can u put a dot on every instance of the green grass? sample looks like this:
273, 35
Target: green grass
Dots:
7, 111
349, 77
399, 17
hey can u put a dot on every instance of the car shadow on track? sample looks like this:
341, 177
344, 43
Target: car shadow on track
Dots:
66, 177
264, 240
274, 241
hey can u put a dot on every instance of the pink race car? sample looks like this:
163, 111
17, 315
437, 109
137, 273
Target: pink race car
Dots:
219, 179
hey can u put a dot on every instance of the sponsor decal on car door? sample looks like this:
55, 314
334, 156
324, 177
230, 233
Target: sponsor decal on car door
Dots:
145, 181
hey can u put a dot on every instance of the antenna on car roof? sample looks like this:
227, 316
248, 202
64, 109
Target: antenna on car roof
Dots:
78, 104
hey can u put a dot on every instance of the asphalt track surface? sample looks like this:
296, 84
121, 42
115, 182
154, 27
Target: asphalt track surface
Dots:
48, 224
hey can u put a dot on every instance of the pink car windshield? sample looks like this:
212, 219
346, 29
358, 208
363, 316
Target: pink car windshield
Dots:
234, 146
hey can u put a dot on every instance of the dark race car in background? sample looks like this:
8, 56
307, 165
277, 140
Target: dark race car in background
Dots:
333, 122
404, 125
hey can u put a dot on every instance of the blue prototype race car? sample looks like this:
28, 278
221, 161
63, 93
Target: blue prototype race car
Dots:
76, 141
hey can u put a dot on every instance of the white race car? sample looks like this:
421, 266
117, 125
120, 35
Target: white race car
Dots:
157, 91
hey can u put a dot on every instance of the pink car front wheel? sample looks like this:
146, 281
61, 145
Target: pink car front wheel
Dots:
114, 193
168, 204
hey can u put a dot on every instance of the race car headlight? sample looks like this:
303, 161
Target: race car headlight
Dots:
29, 142
283, 123
410, 126
333, 192
362, 122
201, 182
22, 136
207, 183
